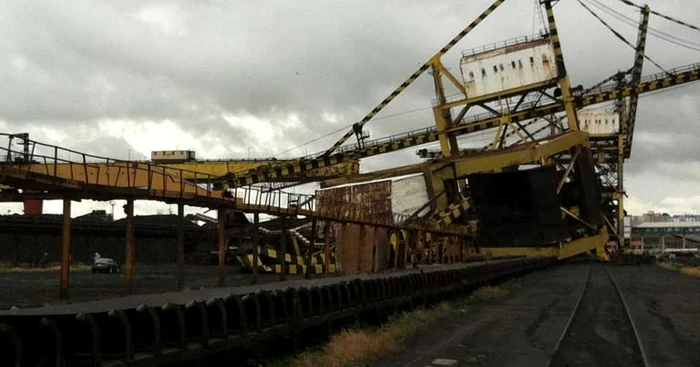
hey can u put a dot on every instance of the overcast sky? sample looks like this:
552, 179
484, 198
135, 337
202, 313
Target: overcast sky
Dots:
124, 78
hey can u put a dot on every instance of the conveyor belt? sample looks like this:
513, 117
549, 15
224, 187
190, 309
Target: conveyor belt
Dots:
170, 328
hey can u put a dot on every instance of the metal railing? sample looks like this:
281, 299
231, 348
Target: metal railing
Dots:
152, 181
50, 160
648, 78
506, 43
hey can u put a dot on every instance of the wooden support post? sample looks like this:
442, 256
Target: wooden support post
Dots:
310, 250
180, 246
222, 246
129, 268
283, 251
65, 250
327, 248
256, 246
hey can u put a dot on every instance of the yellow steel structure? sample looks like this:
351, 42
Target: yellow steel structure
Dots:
170, 176
444, 177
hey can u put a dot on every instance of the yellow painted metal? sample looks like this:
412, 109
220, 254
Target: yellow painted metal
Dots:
501, 94
524, 154
123, 174
565, 250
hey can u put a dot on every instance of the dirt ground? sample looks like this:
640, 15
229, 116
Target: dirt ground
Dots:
522, 329
30, 289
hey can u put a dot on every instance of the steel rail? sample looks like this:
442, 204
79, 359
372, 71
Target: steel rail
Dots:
565, 332
577, 307
629, 317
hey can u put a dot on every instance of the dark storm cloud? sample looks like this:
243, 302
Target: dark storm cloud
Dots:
271, 75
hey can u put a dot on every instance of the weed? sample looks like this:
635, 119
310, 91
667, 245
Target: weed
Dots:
693, 271
359, 347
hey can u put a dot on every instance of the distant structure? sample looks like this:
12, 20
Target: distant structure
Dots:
652, 217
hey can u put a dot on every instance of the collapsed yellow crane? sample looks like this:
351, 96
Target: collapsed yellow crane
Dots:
559, 182
448, 187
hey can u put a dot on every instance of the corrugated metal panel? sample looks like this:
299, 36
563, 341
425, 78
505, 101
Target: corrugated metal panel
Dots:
368, 202
408, 195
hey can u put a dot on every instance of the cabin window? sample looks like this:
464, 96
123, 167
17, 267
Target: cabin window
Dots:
512, 63
520, 64
532, 60
471, 75
501, 66
483, 72
495, 69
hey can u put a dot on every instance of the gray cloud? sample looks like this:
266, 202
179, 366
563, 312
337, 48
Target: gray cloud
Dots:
102, 76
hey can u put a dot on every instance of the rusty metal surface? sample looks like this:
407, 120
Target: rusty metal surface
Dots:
371, 201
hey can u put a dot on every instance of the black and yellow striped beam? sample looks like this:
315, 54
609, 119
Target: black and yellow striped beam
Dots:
636, 75
301, 269
415, 75
451, 213
666, 81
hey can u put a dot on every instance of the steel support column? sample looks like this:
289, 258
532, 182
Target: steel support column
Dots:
129, 263
283, 251
65, 250
310, 250
180, 246
564, 83
327, 248
256, 246
620, 191
222, 245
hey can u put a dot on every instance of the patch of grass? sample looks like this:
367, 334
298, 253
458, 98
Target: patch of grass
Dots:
359, 347
693, 271
21, 269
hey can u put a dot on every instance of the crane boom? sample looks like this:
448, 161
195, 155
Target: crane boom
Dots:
413, 77
655, 82
636, 75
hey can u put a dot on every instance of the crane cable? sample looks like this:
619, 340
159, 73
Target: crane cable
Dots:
652, 31
627, 2
348, 126
618, 35
612, 77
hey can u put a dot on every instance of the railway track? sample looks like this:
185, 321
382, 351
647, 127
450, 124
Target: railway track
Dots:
176, 328
600, 330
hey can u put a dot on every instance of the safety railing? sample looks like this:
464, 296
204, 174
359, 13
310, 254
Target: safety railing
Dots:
649, 78
162, 182
506, 43
58, 162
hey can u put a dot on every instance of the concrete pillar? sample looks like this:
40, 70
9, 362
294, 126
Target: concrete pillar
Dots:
256, 246
327, 248
129, 263
180, 246
65, 250
283, 251
222, 246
